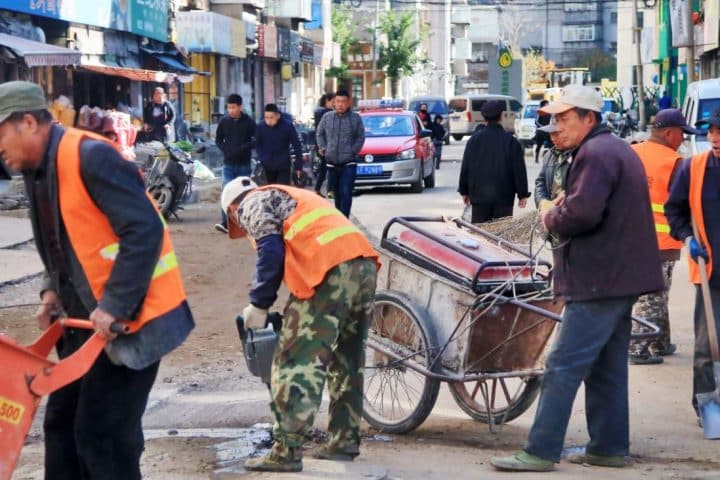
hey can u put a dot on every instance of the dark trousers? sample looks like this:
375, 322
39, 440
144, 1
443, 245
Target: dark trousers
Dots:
321, 173
281, 176
703, 377
485, 212
438, 153
341, 180
230, 172
591, 347
93, 427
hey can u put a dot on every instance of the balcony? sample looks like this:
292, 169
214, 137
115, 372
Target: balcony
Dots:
293, 9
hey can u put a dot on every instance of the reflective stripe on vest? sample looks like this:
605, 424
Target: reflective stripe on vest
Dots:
95, 244
317, 238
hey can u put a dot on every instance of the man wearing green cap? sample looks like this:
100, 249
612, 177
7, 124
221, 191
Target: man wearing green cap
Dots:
107, 257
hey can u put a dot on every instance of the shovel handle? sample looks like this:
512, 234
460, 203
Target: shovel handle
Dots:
707, 302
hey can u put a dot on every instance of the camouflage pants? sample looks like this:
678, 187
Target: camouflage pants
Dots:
654, 308
321, 337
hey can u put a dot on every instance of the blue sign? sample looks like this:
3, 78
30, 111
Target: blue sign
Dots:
317, 19
147, 18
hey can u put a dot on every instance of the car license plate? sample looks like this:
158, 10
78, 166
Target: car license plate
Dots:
455, 119
369, 169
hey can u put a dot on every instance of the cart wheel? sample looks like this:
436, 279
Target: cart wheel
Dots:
397, 398
507, 398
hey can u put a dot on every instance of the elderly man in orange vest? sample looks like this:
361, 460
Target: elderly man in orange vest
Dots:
695, 198
330, 269
108, 257
660, 158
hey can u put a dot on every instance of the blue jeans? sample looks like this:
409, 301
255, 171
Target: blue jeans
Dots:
229, 173
591, 346
341, 180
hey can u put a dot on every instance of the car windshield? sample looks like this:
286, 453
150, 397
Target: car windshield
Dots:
434, 106
705, 108
388, 125
530, 111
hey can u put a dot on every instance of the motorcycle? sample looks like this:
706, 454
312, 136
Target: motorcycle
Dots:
169, 180
622, 124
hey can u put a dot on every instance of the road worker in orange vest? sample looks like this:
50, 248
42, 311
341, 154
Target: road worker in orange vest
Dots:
660, 158
108, 257
695, 198
330, 269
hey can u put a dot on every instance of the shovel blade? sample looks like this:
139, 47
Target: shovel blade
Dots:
709, 407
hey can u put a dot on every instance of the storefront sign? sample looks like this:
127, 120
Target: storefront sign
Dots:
283, 44
307, 50
295, 47
147, 18
268, 41
206, 32
318, 54
237, 38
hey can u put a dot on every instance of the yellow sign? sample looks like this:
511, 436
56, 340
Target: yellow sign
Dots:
10, 411
505, 60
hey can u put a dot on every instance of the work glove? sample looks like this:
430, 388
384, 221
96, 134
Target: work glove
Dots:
254, 317
695, 249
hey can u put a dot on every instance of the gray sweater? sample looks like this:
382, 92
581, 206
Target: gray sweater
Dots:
341, 136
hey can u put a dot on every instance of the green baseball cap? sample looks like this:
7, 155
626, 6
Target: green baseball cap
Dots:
18, 96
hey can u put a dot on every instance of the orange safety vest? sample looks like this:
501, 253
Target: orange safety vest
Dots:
698, 165
659, 162
318, 238
95, 244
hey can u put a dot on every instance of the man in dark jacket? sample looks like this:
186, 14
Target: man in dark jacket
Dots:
93, 426
340, 137
158, 115
542, 139
234, 137
550, 182
273, 138
493, 169
604, 226
325, 104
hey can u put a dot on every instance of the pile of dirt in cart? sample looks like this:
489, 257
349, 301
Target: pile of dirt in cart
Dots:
520, 229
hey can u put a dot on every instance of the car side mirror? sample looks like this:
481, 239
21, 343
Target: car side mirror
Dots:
425, 133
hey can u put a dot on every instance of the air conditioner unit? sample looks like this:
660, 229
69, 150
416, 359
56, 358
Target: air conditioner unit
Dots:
218, 105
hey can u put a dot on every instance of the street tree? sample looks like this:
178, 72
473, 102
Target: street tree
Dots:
342, 34
399, 55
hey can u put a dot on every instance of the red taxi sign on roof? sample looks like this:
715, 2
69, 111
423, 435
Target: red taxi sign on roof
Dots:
371, 104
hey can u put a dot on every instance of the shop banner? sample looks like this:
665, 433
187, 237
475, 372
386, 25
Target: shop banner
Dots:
711, 36
148, 18
295, 47
237, 33
679, 23
283, 44
207, 32
318, 54
307, 50
270, 41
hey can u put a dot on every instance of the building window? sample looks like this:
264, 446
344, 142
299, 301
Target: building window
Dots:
578, 33
357, 88
574, 6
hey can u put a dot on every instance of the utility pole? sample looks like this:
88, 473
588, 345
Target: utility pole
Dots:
375, 49
639, 67
690, 61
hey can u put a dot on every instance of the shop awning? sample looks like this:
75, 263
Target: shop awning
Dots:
38, 54
176, 65
137, 74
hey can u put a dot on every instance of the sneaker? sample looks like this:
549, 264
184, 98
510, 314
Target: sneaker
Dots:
645, 359
611, 461
221, 228
522, 462
670, 349
278, 459
336, 453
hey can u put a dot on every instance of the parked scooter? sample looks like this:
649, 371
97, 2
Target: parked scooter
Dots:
169, 180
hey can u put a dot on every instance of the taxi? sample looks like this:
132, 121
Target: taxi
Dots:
397, 149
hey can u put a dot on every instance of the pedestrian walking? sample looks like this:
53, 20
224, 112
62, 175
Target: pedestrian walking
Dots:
694, 199
108, 257
424, 114
158, 116
660, 158
340, 137
234, 138
665, 101
325, 104
602, 265
438, 137
542, 138
273, 138
493, 169
330, 269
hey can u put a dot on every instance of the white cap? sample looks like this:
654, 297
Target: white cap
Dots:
575, 96
232, 191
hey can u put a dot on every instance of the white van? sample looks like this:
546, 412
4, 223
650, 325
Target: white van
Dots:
465, 116
701, 99
525, 125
